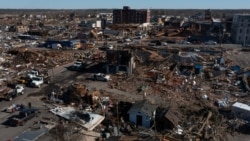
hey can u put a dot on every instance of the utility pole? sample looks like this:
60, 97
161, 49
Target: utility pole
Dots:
244, 40
154, 113
117, 115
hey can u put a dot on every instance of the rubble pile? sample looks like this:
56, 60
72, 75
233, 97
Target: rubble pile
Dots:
74, 93
182, 87
39, 56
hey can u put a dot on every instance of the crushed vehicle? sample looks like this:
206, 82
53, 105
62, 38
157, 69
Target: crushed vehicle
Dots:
9, 93
101, 77
23, 116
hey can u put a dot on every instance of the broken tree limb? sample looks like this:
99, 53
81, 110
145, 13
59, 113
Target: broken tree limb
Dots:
205, 123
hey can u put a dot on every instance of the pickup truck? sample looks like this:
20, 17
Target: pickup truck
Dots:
39, 80
34, 73
9, 93
23, 116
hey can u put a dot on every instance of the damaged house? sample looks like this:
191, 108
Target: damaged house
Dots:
167, 119
142, 113
120, 60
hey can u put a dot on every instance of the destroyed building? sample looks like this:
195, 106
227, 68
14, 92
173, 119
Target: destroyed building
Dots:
120, 61
167, 118
169, 75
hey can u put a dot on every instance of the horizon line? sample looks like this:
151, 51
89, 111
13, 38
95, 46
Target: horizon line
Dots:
120, 8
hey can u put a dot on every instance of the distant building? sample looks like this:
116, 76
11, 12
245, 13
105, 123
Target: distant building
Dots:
105, 15
208, 14
127, 16
21, 29
241, 29
91, 24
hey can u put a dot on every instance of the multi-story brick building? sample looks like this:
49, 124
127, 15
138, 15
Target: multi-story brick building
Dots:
241, 29
127, 16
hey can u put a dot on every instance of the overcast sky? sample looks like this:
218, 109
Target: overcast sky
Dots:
135, 4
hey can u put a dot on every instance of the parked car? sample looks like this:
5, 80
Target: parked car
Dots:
78, 66
110, 46
127, 43
210, 42
32, 73
101, 77
127, 40
185, 42
164, 43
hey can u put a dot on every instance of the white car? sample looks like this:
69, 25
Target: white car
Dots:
37, 82
164, 43
33, 73
110, 46
127, 40
101, 77
127, 44
77, 64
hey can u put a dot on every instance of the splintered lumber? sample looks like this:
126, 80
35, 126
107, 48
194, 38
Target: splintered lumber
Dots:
169, 138
205, 123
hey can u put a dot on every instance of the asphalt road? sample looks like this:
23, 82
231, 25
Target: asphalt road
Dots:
7, 132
